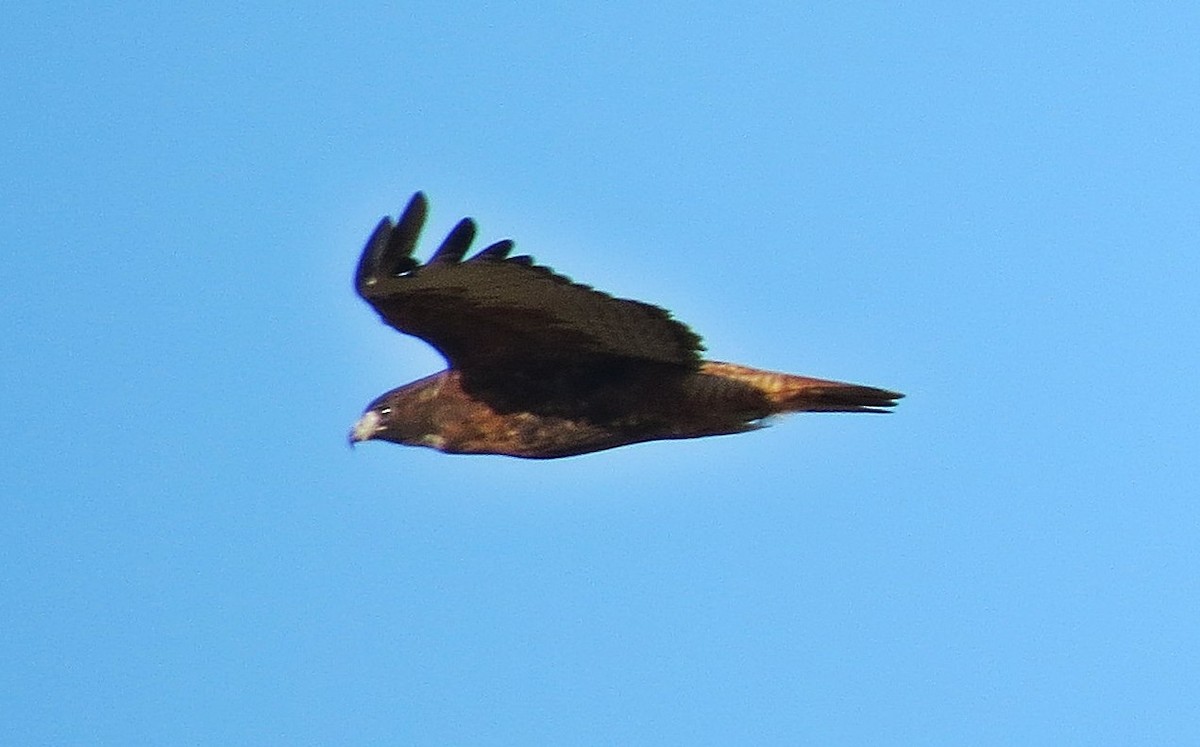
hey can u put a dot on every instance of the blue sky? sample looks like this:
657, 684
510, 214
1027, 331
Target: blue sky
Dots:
993, 209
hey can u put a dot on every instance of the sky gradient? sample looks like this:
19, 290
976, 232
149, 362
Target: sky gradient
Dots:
993, 210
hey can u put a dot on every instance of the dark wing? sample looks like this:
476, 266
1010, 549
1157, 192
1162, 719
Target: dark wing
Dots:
495, 312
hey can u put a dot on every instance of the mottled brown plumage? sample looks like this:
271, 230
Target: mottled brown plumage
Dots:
543, 367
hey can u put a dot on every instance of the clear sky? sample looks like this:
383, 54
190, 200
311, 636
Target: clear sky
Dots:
995, 210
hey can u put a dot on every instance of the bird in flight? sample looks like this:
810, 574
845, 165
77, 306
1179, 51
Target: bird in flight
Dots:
542, 367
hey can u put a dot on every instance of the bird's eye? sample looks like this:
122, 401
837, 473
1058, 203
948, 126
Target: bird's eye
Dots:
385, 410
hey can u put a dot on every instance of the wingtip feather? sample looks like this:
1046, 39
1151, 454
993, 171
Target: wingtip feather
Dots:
368, 263
397, 256
496, 251
389, 249
456, 243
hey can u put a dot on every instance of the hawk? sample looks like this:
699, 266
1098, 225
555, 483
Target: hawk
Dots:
541, 367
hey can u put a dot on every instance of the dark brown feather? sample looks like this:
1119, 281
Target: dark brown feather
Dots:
490, 312
542, 367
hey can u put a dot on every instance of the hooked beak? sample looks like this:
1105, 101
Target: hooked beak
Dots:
365, 428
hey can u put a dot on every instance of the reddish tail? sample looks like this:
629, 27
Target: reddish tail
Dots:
803, 394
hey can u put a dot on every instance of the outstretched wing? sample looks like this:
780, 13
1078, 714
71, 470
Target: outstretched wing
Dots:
494, 312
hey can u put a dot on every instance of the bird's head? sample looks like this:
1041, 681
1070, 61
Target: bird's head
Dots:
402, 416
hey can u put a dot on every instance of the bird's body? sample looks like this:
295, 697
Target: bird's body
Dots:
541, 367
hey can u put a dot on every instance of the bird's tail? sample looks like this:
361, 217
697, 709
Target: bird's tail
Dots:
790, 393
